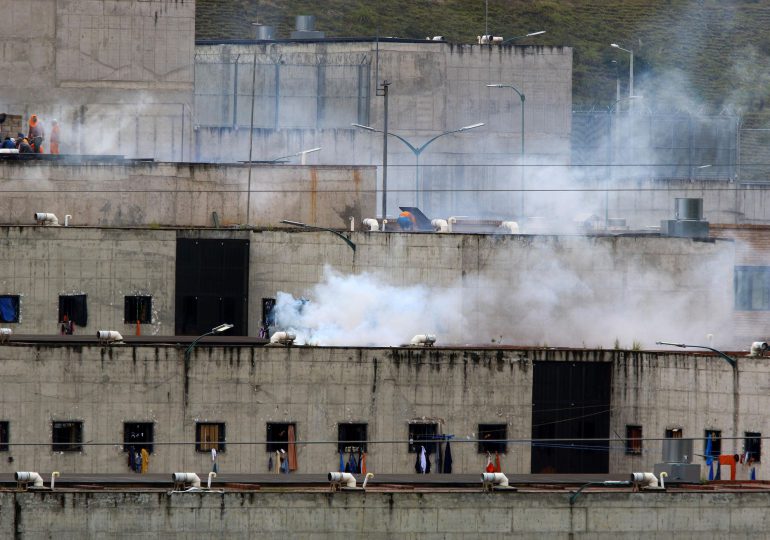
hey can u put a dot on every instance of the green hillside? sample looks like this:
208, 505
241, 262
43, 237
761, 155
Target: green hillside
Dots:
713, 55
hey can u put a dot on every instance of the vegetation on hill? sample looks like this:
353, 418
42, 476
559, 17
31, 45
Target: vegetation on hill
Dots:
708, 55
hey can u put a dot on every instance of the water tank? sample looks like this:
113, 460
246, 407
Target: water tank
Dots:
305, 23
265, 32
688, 209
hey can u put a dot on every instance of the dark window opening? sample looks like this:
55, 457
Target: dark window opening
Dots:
753, 446
422, 435
67, 437
137, 309
716, 442
351, 437
278, 436
75, 308
674, 433
492, 438
5, 437
209, 435
634, 440
9, 308
752, 288
139, 435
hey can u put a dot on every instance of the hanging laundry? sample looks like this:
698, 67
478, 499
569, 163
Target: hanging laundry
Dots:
284, 462
270, 463
417, 468
438, 457
342, 462
278, 461
427, 463
358, 468
7, 309
447, 459
214, 467
131, 456
292, 450
362, 464
422, 463
711, 470
137, 462
753, 475
497, 462
709, 457
490, 468
352, 466
145, 460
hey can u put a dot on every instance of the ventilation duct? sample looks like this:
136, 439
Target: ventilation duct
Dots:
688, 220
305, 28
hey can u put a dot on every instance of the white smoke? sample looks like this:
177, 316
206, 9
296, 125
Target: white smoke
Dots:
364, 310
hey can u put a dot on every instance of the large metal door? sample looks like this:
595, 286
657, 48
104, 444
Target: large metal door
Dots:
570, 403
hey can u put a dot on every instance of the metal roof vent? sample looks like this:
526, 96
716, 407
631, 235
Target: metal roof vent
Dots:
688, 220
265, 32
305, 28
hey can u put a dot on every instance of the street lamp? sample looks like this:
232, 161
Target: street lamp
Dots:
521, 164
216, 330
302, 153
630, 68
514, 38
347, 240
417, 150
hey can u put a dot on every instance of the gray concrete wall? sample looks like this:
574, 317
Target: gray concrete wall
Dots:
183, 194
246, 387
518, 289
315, 91
117, 75
261, 514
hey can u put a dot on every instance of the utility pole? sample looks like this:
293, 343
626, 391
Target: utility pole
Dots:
382, 90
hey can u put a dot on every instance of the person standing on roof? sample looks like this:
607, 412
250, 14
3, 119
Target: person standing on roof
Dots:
36, 133
55, 136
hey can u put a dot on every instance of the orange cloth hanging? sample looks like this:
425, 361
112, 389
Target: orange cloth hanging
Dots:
292, 450
497, 462
363, 464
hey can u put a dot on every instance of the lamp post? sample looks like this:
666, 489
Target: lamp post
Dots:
521, 159
630, 68
302, 153
417, 150
345, 239
216, 330
514, 38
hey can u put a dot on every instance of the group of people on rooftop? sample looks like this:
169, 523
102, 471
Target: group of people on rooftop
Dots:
32, 142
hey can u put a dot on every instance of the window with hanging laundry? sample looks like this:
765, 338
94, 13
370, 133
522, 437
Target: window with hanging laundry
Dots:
67, 436
421, 434
209, 435
492, 438
139, 435
716, 442
137, 308
633, 440
277, 436
9, 308
5, 438
752, 445
351, 437
74, 307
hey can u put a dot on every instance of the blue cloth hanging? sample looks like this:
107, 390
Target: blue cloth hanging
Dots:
352, 466
709, 457
342, 462
753, 475
285, 466
711, 471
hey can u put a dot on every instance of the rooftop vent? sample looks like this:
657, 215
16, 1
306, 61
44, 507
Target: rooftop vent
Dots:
265, 32
688, 220
305, 28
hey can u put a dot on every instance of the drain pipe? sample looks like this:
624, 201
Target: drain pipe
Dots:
212, 474
54, 476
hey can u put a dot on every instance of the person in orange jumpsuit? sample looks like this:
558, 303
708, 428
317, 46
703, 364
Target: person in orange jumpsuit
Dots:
36, 130
55, 136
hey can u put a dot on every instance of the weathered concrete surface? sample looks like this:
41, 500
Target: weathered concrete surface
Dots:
185, 194
308, 94
695, 515
525, 289
317, 388
117, 75
247, 387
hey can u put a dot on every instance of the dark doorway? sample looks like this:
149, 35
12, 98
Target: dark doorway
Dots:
212, 279
570, 403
